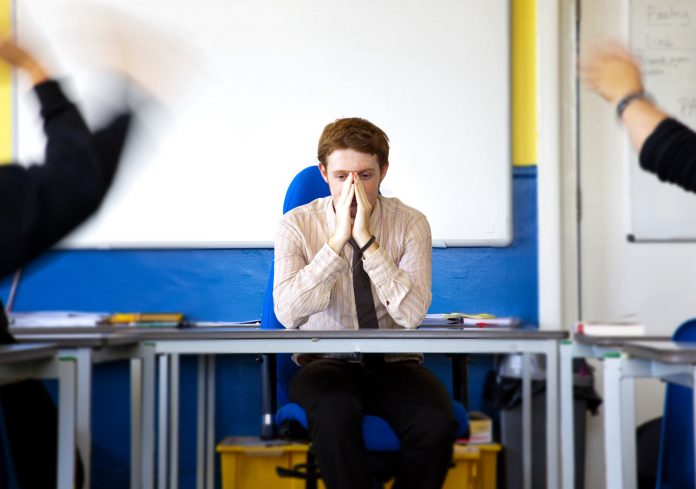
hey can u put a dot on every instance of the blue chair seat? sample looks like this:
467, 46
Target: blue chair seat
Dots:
378, 435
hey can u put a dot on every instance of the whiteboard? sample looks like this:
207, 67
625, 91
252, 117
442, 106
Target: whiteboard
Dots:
663, 35
257, 82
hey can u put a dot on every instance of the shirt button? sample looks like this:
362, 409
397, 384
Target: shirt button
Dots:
387, 302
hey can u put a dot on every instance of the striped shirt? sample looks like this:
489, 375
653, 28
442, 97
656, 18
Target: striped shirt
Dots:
313, 286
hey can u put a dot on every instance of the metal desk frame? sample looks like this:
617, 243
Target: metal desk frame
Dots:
639, 360
88, 349
206, 343
600, 348
41, 362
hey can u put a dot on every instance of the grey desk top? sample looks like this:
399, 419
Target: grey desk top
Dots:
75, 337
617, 341
22, 352
663, 351
221, 333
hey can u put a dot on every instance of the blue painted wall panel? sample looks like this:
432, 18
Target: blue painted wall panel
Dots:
206, 284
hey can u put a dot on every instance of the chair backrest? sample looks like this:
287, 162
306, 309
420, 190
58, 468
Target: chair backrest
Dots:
307, 186
676, 463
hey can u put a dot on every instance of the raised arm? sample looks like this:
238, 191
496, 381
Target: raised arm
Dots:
666, 147
41, 204
615, 75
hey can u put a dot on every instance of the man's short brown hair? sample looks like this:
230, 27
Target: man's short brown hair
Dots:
354, 133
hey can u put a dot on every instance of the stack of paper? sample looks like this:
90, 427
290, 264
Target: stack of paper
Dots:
48, 319
480, 428
610, 328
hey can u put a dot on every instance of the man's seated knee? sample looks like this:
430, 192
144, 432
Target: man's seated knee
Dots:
431, 428
336, 404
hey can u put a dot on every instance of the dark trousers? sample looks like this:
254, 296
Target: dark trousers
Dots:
31, 424
336, 396
31, 427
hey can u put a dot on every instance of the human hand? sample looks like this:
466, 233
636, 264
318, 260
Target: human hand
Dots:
361, 226
612, 72
14, 55
344, 221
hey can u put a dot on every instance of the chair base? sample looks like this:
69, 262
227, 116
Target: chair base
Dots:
308, 472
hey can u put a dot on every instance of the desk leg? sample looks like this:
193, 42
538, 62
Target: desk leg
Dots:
83, 358
210, 419
136, 410
147, 353
628, 432
66, 423
613, 449
200, 423
174, 422
526, 422
567, 419
552, 457
163, 422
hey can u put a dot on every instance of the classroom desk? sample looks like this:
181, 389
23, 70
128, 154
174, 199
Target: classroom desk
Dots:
600, 347
98, 345
20, 361
207, 342
666, 360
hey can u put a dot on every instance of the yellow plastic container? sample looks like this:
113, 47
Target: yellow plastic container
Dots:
464, 473
487, 476
250, 463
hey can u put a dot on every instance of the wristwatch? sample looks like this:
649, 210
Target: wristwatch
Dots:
626, 101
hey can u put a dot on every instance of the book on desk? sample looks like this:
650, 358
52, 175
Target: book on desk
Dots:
609, 328
147, 319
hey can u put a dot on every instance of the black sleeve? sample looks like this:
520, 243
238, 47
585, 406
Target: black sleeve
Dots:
670, 152
41, 204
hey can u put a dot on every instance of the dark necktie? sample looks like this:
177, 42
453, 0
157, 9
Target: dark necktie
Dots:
364, 304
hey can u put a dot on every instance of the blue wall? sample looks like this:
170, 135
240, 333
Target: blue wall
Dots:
229, 285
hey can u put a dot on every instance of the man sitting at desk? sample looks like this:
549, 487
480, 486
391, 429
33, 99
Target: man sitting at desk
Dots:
355, 260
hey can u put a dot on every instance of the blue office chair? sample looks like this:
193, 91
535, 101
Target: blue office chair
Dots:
675, 469
277, 370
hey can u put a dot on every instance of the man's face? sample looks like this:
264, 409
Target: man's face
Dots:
341, 162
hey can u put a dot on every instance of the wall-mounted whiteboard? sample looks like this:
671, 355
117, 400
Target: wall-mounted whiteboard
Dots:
663, 35
257, 82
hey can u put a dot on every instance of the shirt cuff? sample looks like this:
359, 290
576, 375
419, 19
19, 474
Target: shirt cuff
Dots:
379, 266
327, 264
51, 97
